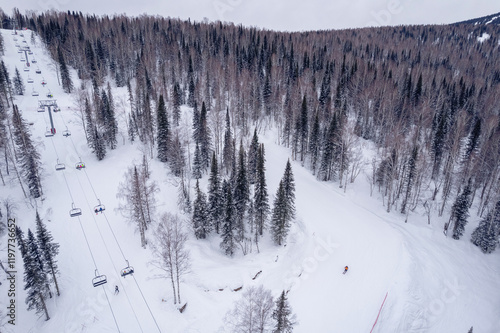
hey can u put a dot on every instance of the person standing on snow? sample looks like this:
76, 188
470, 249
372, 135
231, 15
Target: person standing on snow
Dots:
345, 269
116, 290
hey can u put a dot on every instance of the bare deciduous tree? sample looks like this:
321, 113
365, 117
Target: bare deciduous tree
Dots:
170, 255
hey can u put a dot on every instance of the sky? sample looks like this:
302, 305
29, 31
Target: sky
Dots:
284, 15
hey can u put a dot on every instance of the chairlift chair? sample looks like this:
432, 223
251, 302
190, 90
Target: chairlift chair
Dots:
80, 165
26, 69
33, 60
49, 95
49, 133
38, 71
75, 211
127, 270
99, 208
22, 59
57, 109
99, 279
41, 109
34, 93
60, 166
30, 80
66, 133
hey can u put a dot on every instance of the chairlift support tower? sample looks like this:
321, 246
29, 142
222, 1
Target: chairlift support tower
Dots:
49, 104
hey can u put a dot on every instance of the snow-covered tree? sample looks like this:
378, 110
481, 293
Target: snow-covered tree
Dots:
35, 278
282, 314
252, 313
201, 218
170, 254
460, 211
486, 235
261, 197
163, 131
215, 203
18, 83
27, 155
48, 250
228, 243
284, 206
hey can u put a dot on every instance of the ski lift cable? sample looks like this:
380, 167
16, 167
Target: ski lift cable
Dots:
90, 182
158, 327
120, 248
109, 254
88, 246
111, 308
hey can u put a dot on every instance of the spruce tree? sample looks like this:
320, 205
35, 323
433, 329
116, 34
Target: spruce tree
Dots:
48, 250
21, 242
289, 189
27, 155
201, 221
241, 195
460, 211
411, 172
176, 101
284, 206
177, 160
228, 244
204, 137
261, 198
282, 314
252, 158
197, 163
228, 148
35, 279
163, 131
215, 208
485, 236
18, 83
66, 81
314, 144
98, 146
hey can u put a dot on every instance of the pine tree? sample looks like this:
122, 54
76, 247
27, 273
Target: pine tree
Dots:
460, 211
284, 206
67, 83
314, 143
176, 101
110, 124
177, 159
201, 220
228, 244
28, 156
282, 314
21, 242
261, 198
303, 130
252, 158
197, 163
326, 170
215, 208
204, 139
18, 83
228, 148
410, 175
48, 250
163, 131
241, 195
485, 236
98, 146
35, 279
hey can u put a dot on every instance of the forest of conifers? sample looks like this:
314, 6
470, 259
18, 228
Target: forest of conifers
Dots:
428, 97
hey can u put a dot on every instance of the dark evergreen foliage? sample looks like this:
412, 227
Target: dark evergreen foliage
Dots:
18, 83
163, 131
201, 218
486, 235
282, 315
228, 243
261, 197
215, 203
48, 250
66, 81
460, 211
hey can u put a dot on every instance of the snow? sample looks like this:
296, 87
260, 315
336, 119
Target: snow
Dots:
484, 37
433, 283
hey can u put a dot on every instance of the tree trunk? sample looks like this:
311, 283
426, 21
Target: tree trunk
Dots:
44, 307
55, 280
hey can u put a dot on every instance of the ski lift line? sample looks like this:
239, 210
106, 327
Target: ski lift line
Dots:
158, 327
110, 308
114, 236
107, 251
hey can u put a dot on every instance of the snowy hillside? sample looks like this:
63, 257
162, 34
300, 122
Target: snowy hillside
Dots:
425, 281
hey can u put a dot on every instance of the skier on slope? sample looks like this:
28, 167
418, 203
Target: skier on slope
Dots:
116, 290
345, 269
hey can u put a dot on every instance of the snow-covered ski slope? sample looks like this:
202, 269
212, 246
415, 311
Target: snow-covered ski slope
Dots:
432, 283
